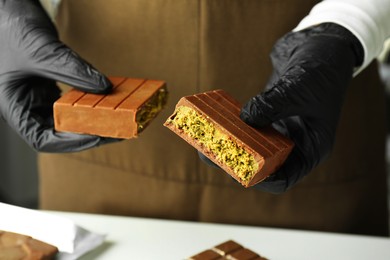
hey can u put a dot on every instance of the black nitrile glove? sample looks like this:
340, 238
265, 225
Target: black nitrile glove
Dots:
32, 59
303, 100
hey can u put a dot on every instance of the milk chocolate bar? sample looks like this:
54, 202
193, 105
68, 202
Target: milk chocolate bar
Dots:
227, 250
210, 122
18, 246
123, 113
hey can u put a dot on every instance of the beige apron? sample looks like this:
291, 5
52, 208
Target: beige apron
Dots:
197, 45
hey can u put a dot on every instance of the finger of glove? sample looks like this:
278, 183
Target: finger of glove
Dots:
56, 61
48, 140
43, 138
37, 130
281, 53
270, 106
267, 107
62, 142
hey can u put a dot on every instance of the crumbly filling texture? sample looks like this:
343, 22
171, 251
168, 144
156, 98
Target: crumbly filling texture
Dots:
226, 150
151, 108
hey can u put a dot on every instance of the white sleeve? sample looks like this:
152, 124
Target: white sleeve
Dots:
368, 20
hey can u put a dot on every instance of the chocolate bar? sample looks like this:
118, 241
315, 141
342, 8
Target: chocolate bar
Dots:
227, 250
18, 246
123, 113
211, 123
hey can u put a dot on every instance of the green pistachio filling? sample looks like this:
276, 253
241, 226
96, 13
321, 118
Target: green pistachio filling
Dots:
221, 145
151, 108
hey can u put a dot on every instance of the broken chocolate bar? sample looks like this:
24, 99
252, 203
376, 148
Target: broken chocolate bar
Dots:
227, 250
210, 122
123, 113
18, 246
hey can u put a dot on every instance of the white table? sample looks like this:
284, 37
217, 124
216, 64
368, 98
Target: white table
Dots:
140, 238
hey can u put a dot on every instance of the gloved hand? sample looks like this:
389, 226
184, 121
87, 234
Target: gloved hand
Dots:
304, 97
32, 59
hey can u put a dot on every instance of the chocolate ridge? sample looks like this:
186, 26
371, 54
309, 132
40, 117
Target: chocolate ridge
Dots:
239, 124
263, 132
243, 139
116, 97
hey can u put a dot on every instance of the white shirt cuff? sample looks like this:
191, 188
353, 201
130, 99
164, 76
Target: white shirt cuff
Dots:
369, 21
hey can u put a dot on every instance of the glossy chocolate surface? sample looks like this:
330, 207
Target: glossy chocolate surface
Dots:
19, 246
111, 115
268, 146
227, 250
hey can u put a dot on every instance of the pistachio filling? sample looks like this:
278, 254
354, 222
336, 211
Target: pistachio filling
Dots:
151, 108
221, 145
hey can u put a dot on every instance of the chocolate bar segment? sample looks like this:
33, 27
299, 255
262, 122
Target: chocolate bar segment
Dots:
123, 113
18, 246
211, 123
242, 254
206, 255
227, 247
227, 250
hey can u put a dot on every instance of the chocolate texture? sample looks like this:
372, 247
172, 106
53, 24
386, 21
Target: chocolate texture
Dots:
227, 250
211, 123
123, 113
20, 247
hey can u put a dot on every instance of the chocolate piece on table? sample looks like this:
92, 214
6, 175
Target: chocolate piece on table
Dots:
227, 250
206, 255
242, 254
227, 247
123, 113
18, 246
211, 123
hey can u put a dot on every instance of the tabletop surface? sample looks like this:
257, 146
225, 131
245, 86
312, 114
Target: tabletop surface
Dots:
140, 238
